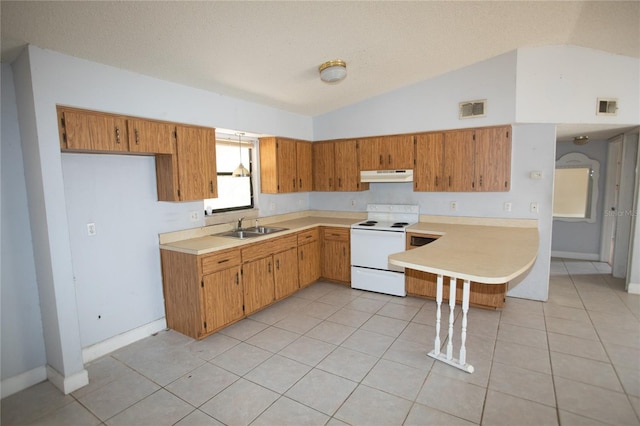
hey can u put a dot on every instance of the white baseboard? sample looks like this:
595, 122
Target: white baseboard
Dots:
67, 384
594, 257
114, 343
633, 288
22, 381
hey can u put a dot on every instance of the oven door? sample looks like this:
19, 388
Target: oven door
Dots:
371, 248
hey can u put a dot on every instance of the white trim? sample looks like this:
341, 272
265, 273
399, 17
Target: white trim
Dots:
68, 384
23, 381
105, 347
633, 288
594, 257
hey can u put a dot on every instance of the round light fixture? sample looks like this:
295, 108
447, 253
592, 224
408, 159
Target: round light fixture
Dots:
581, 140
333, 71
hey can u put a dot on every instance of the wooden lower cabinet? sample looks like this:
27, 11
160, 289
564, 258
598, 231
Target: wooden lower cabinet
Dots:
286, 273
257, 277
419, 283
201, 293
336, 254
222, 298
308, 257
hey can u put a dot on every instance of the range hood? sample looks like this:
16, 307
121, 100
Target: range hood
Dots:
386, 176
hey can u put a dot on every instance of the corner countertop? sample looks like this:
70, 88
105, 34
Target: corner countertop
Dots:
486, 254
208, 242
486, 250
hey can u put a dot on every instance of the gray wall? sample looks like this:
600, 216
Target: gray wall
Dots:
22, 338
582, 238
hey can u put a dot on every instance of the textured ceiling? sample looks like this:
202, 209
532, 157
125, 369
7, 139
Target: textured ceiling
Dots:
268, 52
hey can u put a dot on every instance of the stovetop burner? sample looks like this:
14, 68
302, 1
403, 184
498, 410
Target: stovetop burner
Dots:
389, 217
400, 224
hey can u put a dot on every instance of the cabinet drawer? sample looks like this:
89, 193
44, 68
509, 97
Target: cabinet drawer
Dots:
308, 236
285, 243
335, 234
257, 251
220, 260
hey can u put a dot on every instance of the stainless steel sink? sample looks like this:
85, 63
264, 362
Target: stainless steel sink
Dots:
243, 234
266, 229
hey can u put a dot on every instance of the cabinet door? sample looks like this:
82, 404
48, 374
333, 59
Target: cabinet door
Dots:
222, 298
304, 166
85, 131
397, 152
309, 263
257, 279
286, 164
347, 168
458, 160
370, 155
429, 168
196, 162
336, 261
419, 283
323, 166
493, 159
286, 273
151, 136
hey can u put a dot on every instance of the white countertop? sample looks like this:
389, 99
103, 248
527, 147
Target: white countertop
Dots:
486, 254
486, 250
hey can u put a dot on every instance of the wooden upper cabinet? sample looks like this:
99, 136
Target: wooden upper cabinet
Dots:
285, 165
304, 166
428, 171
347, 167
459, 160
189, 174
387, 153
323, 166
92, 131
493, 159
147, 136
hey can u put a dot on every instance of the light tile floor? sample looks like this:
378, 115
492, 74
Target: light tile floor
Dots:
332, 355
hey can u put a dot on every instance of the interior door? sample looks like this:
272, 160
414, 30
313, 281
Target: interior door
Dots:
612, 193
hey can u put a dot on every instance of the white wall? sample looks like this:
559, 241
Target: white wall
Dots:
429, 105
22, 339
561, 84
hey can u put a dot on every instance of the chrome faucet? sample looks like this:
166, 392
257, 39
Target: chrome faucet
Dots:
239, 226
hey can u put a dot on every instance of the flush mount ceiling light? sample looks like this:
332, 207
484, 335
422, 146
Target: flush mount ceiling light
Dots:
333, 71
241, 170
581, 140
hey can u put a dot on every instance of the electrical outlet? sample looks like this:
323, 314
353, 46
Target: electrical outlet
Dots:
91, 229
272, 206
353, 203
507, 207
536, 174
194, 216
534, 208
453, 206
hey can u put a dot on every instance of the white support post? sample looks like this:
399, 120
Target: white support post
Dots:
452, 307
465, 308
448, 357
436, 344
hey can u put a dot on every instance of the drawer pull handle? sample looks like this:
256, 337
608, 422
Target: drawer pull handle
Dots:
278, 264
223, 261
237, 279
117, 134
137, 136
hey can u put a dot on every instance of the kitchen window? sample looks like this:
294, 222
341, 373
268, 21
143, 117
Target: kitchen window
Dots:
234, 193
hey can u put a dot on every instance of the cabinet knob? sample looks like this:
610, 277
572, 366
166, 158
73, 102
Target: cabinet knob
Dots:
117, 134
211, 186
381, 161
278, 264
389, 158
300, 186
137, 133
436, 180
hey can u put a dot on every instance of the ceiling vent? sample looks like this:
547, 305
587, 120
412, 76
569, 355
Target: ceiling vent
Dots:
472, 109
607, 106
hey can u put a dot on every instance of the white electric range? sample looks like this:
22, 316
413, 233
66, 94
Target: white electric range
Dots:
373, 240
